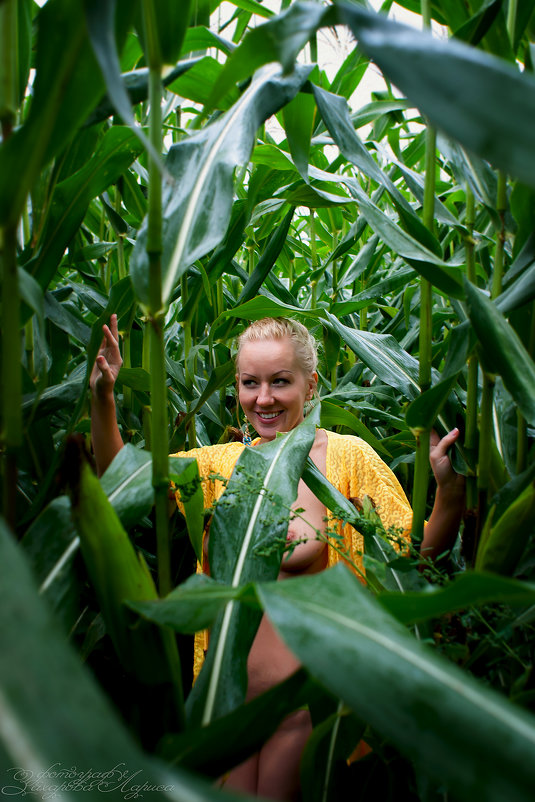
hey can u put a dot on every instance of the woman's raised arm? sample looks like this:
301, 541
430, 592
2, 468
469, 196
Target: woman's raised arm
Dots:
105, 435
443, 525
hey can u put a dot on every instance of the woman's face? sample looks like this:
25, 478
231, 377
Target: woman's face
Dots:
272, 386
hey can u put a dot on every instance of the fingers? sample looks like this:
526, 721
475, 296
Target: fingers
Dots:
442, 445
114, 329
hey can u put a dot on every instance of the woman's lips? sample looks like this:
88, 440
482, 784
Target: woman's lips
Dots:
269, 416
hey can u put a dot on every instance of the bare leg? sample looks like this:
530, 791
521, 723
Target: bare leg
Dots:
278, 767
244, 777
273, 773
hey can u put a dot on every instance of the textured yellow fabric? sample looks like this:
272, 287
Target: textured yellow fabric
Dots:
356, 470
353, 467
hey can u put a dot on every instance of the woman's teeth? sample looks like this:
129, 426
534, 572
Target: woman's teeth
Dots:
268, 415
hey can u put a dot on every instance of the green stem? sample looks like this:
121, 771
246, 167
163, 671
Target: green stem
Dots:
121, 267
486, 438
29, 347
186, 325
470, 439
501, 207
160, 439
421, 482
314, 260
8, 64
522, 432
11, 371
313, 251
511, 20
421, 468
220, 297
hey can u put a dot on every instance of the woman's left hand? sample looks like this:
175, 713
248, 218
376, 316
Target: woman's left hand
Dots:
446, 478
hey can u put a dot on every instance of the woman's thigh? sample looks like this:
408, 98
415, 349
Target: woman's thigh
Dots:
273, 773
279, 759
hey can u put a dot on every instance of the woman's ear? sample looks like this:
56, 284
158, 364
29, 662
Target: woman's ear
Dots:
312, 386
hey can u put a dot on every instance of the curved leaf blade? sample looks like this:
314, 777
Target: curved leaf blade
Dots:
198, 203
247, 540
503, 350
345, 639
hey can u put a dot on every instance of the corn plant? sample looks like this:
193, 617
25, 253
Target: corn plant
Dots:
142, 175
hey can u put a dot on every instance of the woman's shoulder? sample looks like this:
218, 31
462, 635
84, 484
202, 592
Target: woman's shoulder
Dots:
355, 451
348, 442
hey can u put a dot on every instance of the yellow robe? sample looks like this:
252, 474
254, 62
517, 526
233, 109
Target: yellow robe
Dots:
352, 466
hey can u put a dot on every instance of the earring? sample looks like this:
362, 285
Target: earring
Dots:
246, 435
310, 403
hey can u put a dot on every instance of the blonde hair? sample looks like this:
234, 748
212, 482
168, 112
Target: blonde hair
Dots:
270, 328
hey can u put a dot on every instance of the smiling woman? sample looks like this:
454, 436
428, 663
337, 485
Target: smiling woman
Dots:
276, 376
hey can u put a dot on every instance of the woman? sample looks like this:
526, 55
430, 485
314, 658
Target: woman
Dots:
276, 375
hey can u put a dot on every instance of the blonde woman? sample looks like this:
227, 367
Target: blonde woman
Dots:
276, 375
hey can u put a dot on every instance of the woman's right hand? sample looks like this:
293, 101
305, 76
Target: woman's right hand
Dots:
108, 362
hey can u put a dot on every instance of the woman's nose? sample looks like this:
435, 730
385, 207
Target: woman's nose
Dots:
264, 394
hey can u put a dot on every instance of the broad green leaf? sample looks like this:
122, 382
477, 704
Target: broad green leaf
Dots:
200, 38
114, 154
327, 750
32, 294
478, 99
503, 350
184, 472
335, 415
471, 589
504, 543
267, 260
51, 545
280, 39
171, 23
335, 113
118, 573
66, 319
383, 355
59, 396
67, 86
432, 267
359, 652
424, 410
247, 540
193, 605
369, 526
128, 484
196, 218
299, 118
229, 740
136, 378
136, 83
45, 689
253, 7
100, 15
394, 282
196, 83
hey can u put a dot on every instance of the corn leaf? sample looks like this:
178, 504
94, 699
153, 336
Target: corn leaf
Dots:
196, 217
411, 696
247, 540
44, 689
503, 350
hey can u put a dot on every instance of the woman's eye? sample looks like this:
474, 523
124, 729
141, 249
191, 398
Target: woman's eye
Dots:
248, 382
280, 381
